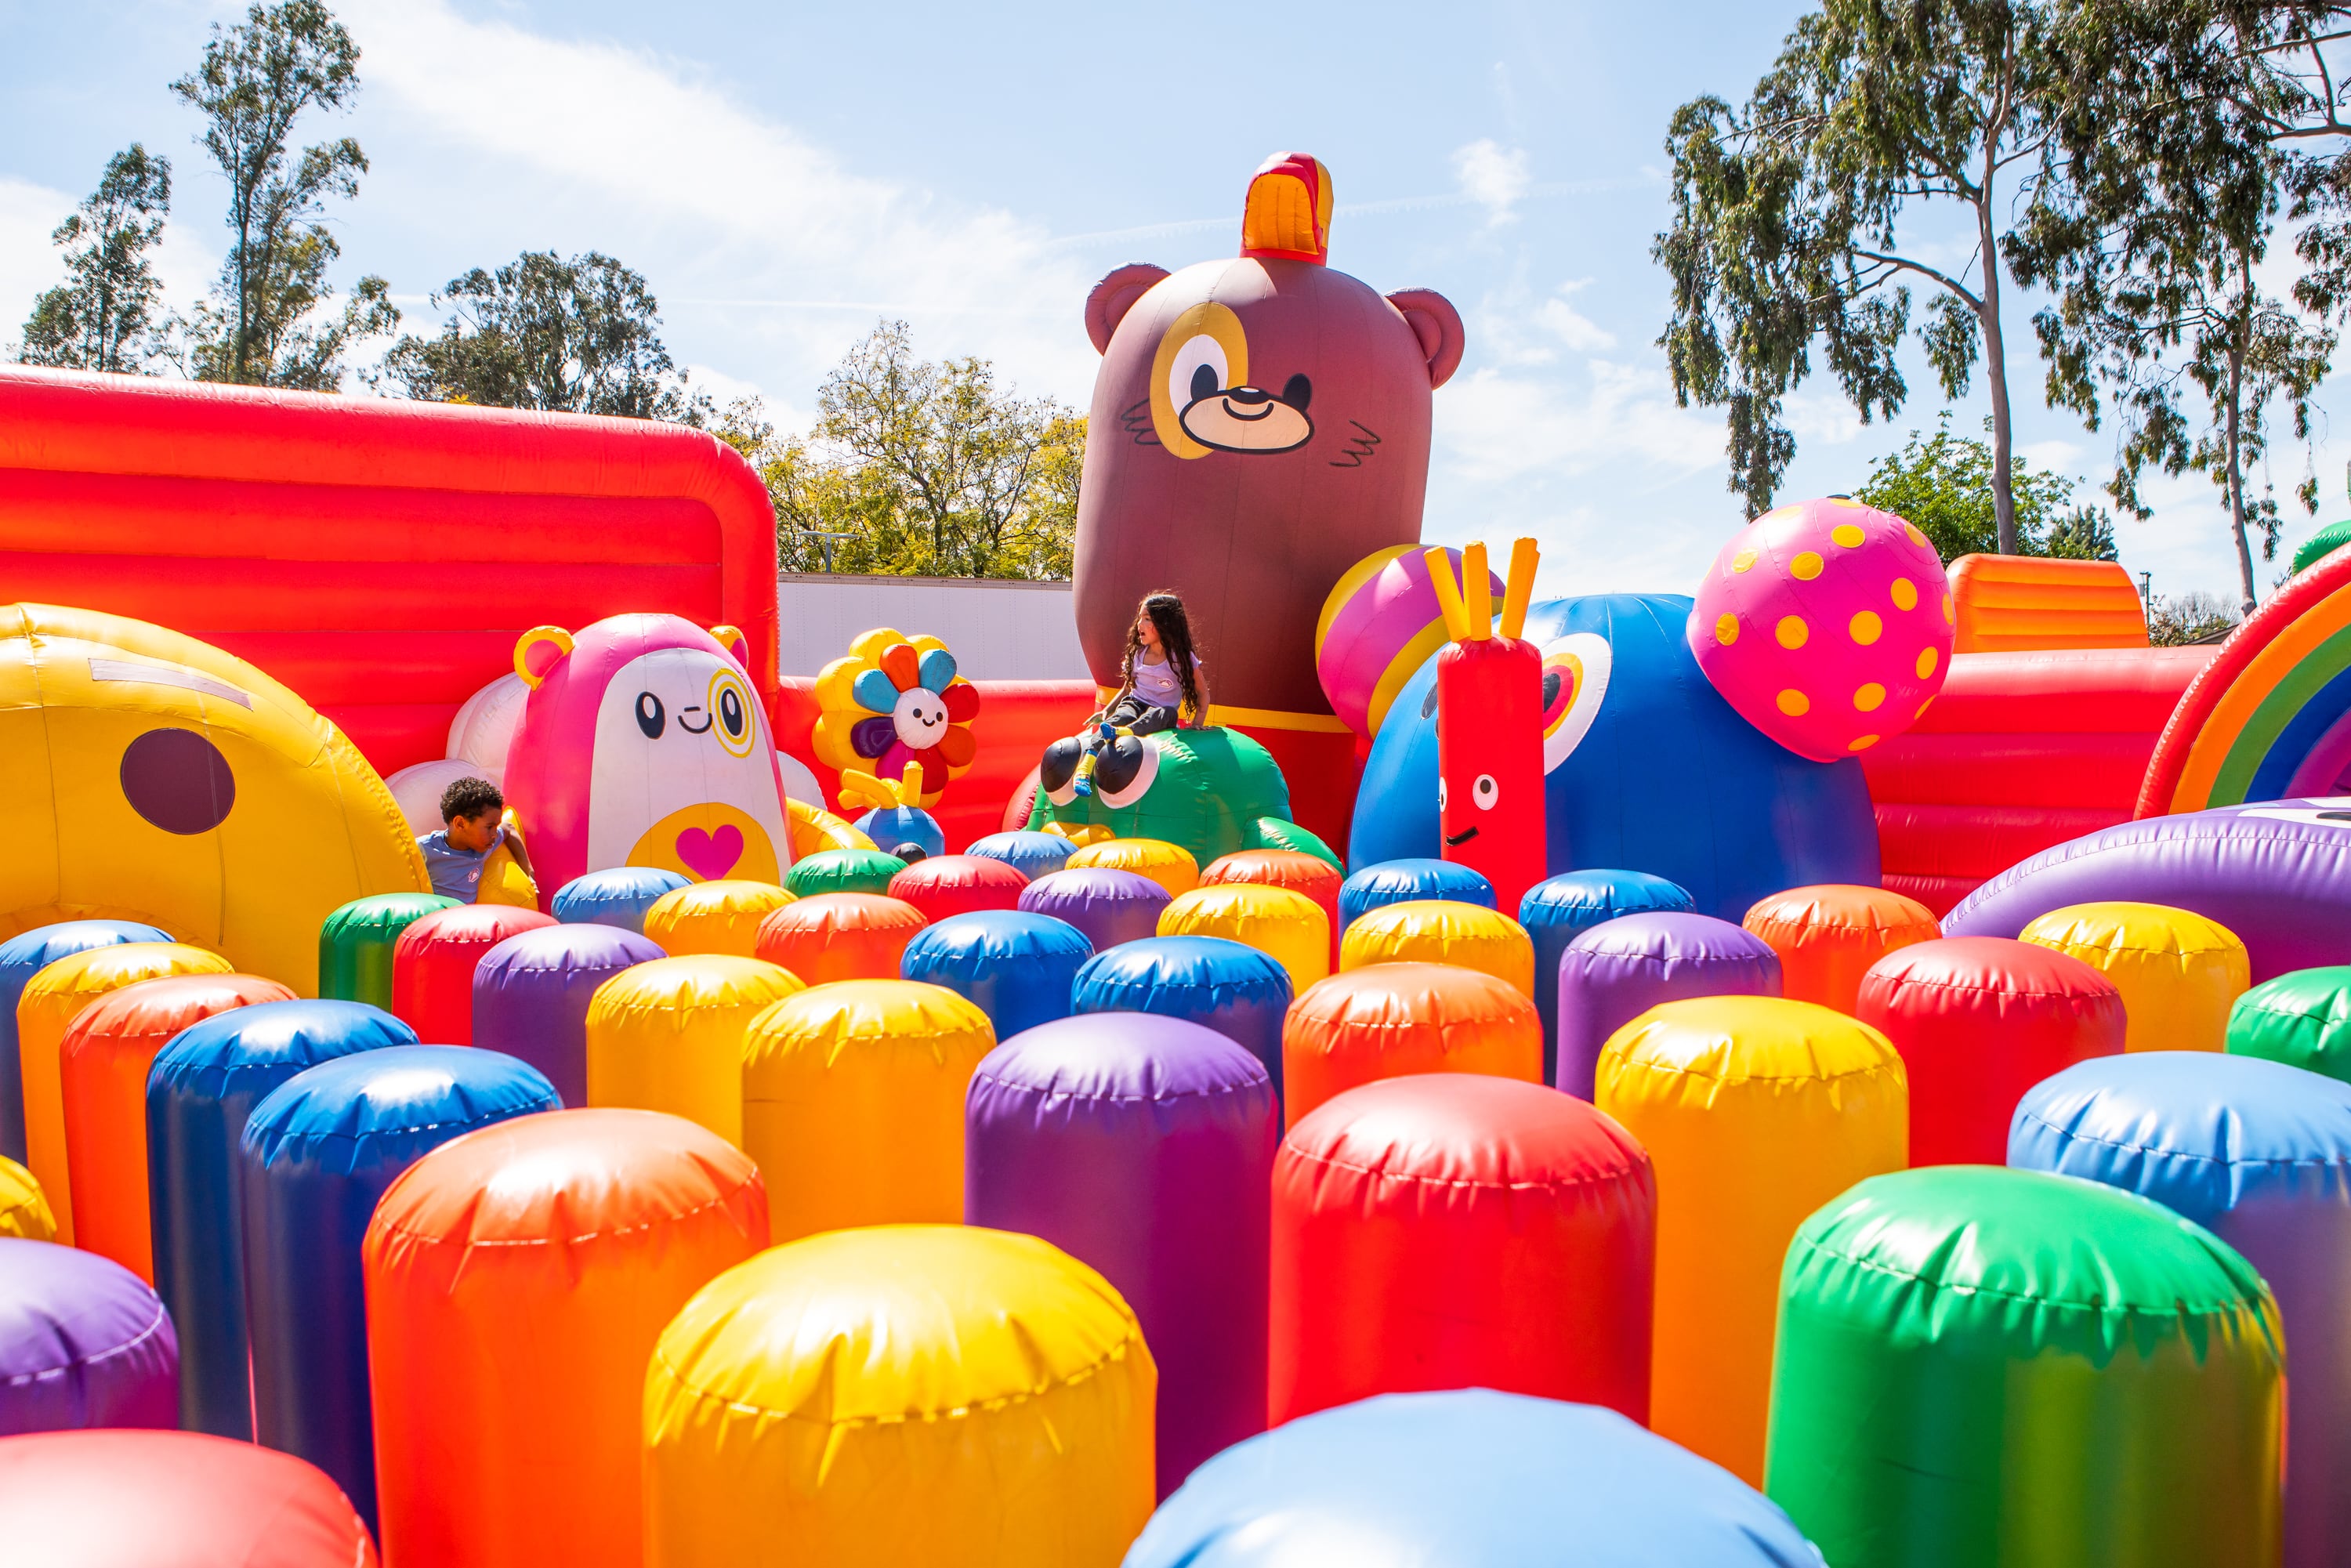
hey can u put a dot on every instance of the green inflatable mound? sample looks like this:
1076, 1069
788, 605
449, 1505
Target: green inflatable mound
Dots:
2302, 1018
2321, 544
842, 871
1988, 1368
355, 944
1214, 791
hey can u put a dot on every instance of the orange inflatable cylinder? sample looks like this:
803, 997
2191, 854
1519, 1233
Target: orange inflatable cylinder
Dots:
713, 917
1827, 937
1170, 865
517, 1280
854, 1103
1756, 1111
1312, 875
43, 1012
1287, 927
1442, 931
1389, 1021
840, 936
103, 1062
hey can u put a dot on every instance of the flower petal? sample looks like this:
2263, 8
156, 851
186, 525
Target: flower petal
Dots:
874, 692
963, 702
898, 662
956, 747
872, 737
938, 669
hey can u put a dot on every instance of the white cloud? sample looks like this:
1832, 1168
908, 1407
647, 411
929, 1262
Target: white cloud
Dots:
1578, 331
1493, 427
1494, 176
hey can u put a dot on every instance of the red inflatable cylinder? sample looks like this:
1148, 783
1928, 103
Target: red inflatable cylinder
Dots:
1828, 936
518, 1279
1457, 1231
840, 936
1312, 875
1979, 1020
958, 885
432, 965
120, 1498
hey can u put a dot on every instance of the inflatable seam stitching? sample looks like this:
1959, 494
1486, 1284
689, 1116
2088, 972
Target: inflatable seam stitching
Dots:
1558, 1184
1215, 1091
1002, 1402
2149, 1311
84, 1361
329, 1135
434, 1238
2226, 1162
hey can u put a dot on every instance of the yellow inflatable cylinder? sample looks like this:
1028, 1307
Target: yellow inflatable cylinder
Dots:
50, 1002
904, 1394
1756, 1111
713, 917
668, 1035
1285, 925
1170, 865
2179, 972
852, 1103
23, 1211
1439, 931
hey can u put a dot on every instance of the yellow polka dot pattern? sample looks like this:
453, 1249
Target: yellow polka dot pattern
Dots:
1795, 705
1791, 632
1866, 627
1863, 743
1927, 658
1847, 535
1951, 611
1904, 592
1726, 629
1868, 696
1805, 567
1742, 560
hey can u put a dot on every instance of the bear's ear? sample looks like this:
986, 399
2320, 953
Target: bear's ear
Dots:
536, 652
1437, 325
1115, 296
731, 638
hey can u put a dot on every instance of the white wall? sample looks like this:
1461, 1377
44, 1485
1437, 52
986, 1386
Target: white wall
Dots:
997, 630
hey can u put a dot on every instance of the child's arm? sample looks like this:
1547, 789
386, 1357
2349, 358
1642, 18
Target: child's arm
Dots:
521, 856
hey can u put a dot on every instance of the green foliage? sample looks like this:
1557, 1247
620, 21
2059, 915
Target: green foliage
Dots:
1943, 484
267, 322
1787, 211
578, 336
929, 470
104, 316
2188, 618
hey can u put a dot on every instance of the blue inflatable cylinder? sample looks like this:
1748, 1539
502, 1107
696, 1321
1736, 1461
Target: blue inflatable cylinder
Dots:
201, 1087
1559, 909
2258, 1154
1143, 1146
531, 993
1016, 967
315, 1157
617, 897
1404, 881
22, 957
1031, 854
1237, 990
1471, 1478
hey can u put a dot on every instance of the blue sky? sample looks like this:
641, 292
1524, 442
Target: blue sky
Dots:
784, 175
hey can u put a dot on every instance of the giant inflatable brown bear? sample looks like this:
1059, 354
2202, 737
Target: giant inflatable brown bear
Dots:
1259, 425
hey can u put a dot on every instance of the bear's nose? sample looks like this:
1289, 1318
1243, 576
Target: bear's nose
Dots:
1247, 396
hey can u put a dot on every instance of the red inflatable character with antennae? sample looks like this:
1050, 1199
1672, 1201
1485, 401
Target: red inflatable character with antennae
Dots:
1490, 747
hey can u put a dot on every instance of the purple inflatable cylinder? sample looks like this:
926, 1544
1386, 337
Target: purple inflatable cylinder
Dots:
1110, 907
1620, 968
83, 1342
531, 993
1143, 1146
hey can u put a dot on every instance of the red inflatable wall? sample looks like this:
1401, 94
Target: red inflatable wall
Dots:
379, 556
2020, 752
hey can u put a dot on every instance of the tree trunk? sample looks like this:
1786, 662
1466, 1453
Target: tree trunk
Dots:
2236, 474
2004, 497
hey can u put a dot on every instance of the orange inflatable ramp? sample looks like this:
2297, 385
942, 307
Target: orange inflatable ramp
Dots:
2009, 603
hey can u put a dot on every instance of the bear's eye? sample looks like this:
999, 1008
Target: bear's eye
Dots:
1204, 381
649, 717
1296, 391
730, 712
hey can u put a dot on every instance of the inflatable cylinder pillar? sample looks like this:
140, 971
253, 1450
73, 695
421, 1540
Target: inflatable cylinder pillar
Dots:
1440, 931
1298, 871
1979, 1365
840, 936
1979, 1021
1827, 937
356, 942
1276, 920
1170, 865
618, 896
668, 1035
2178, 973
713, 917
103, 1062
199, 1094
1457, 1231
98, 1499
432, 965
315, 1158
1557, 910
23, 957
2303, 1019
52, 1000
853, 1098
83, 1342
946, 885
1238, 991
1143, 1146
1757, 1111
847, 870
1031, 854
1016, 967
2270, 1175
531, 993
799, 1397
1409, 880
1619, 970
24, 1207
1111, 906
517, 1282
1388, 1020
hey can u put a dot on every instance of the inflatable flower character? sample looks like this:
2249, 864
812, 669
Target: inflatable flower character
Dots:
893, 701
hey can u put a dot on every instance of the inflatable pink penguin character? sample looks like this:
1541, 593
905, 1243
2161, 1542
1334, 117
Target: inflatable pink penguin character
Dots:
642, 743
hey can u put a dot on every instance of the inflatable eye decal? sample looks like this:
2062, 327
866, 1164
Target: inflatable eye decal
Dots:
1575, 682
1202, 351
1144, 762
730, 710
178, 780
1484, 793
649, 717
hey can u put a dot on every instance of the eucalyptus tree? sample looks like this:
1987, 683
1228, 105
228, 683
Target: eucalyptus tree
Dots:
104, 316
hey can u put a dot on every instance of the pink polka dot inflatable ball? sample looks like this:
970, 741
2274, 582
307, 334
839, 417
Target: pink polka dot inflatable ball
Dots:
1380, 624
1827, 624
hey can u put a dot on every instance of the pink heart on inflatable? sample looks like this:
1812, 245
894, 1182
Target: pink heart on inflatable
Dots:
711, 855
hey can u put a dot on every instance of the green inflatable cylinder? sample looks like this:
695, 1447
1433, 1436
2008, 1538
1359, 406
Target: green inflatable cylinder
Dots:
1988, 1368
2302, 1018
355, 944
842, 871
